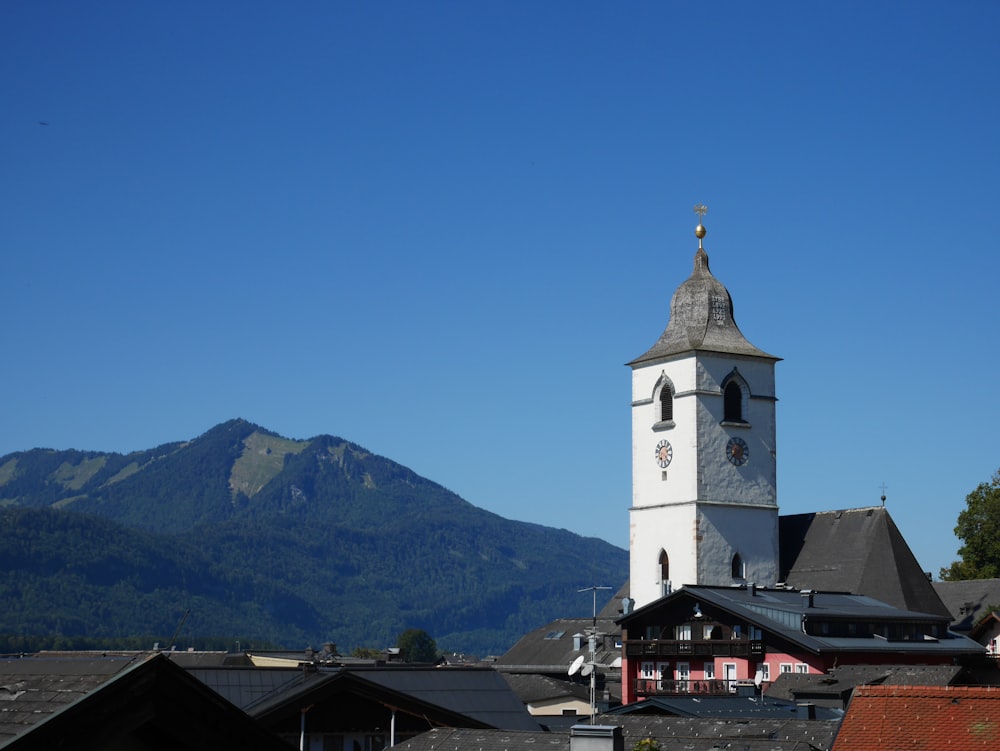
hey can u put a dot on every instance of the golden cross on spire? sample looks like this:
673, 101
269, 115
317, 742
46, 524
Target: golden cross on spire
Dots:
700, 209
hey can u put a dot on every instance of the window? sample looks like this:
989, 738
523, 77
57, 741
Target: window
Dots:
756, 634
666, 403
765, 671
738, 568
684, 632
785, 667
710, 671
732, 403
801, 667
664, 566
683, 675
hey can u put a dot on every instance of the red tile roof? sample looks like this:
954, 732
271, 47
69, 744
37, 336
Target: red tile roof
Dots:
921, 718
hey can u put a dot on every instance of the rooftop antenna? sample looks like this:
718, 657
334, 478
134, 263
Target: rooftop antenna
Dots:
588, 669
883, 486
173, 639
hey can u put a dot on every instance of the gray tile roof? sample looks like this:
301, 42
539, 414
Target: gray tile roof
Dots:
460, 739
551, 647
49, 702
531, 688
697, 734
967, 601
479, 694
672, 734
34, 688
834, 687
855, 550
730, 707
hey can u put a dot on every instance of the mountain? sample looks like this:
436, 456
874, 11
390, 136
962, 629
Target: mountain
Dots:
264, 538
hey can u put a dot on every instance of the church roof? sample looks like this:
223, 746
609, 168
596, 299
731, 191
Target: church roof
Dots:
701, 318
856, 550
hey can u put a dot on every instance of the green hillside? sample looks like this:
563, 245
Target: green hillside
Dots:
266, 538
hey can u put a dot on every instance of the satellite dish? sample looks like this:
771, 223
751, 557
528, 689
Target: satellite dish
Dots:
577, 663
587, 670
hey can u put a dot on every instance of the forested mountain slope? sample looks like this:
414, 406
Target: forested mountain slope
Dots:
273, 539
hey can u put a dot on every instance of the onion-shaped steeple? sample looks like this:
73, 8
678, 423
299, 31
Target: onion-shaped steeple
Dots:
701, 317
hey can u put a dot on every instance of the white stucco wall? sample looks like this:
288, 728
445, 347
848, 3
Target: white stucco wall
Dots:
702, 508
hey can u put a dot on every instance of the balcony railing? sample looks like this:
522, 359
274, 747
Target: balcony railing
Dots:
666, 648
671, 687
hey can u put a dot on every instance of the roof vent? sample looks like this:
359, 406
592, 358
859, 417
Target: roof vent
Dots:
596, 738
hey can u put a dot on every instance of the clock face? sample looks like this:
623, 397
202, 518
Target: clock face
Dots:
737, 451
664, 453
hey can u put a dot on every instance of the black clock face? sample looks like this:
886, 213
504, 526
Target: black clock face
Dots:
737, 451
664, 453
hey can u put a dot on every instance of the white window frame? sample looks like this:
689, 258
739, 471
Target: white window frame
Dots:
785, 667
709, 668
801, 667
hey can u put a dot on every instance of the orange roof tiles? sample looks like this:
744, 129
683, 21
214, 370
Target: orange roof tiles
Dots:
921, 718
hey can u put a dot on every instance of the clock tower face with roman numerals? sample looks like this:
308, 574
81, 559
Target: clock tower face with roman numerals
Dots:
704, 454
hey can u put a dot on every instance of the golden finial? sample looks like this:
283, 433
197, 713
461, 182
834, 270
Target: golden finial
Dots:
700, 209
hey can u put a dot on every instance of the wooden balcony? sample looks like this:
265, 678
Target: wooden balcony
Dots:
680, 649
645, 687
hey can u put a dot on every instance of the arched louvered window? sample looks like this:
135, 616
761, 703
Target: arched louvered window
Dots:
666, 403
738, 568
732, 403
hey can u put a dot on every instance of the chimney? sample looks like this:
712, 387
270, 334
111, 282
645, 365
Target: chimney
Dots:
808, 598
596, 738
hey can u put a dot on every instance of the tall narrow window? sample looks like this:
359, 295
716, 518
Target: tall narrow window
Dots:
738, 568
666, 403
664, 566
733, 403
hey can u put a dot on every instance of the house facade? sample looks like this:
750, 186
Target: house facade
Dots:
732, 640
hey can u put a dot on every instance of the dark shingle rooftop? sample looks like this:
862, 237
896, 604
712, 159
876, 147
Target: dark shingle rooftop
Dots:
671, 733
968, 601
855, 550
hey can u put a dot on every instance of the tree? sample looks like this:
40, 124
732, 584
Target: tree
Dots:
416, 645
647, 744
979, 528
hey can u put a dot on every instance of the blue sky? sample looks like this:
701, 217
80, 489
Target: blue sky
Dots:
439, 230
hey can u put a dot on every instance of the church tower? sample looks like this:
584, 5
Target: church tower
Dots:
704, 499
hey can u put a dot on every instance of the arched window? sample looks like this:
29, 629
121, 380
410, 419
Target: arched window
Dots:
739, 570
664, 566
732, 403
666, 403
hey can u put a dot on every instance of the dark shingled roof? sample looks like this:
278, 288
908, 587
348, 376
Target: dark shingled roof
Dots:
531, 688
967, 601
729, 707
117, 701
550, 647
779, 612
833, 688
855, 550
671, 733
701, 318
477, 696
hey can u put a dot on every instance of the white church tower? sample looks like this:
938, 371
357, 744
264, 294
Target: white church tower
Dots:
704, 500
